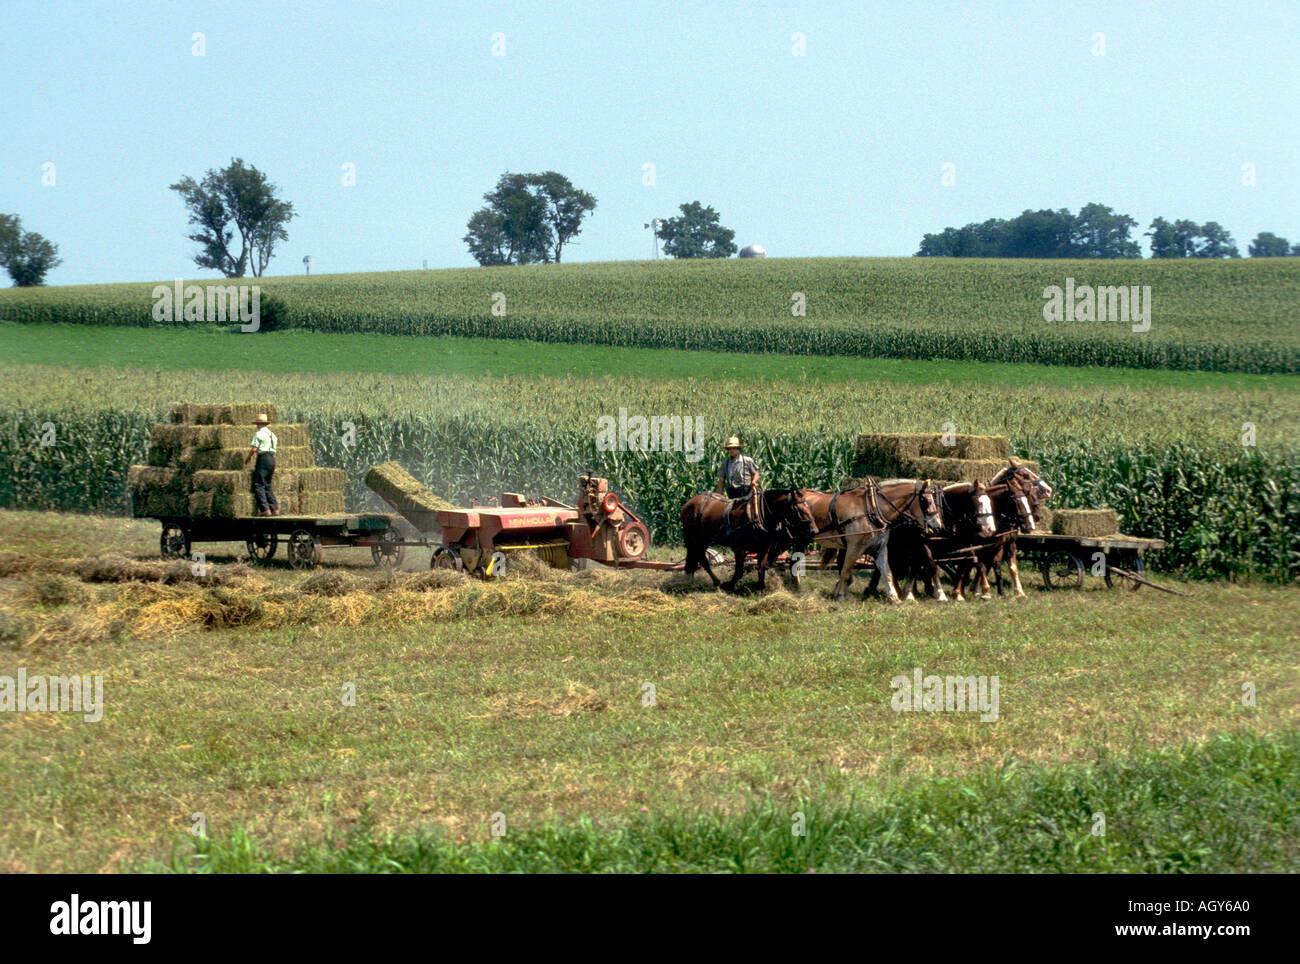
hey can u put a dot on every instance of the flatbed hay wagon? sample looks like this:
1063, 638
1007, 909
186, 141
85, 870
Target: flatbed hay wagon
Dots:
478, 539
1065, 560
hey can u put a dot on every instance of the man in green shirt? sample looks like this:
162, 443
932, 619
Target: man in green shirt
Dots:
738, 478
263, 448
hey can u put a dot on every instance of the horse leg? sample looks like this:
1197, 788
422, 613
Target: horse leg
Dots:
882, 563
1015, 573
697, 556
848, 555
734, 581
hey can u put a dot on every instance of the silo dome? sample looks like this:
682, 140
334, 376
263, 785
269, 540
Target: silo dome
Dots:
753, 251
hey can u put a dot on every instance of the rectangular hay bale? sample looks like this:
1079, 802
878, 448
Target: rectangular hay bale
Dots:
290, 457
222, 413
320, 503
322, 480
887, 454
1085, 522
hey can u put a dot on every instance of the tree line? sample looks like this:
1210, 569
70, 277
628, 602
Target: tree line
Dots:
1097, 231
237, 221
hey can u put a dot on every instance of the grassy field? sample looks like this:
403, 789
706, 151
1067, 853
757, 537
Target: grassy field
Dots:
525, 698
1218, 316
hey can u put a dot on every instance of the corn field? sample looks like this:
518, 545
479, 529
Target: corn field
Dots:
1222, 514
1239, 316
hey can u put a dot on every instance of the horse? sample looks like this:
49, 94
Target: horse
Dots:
989, 533
971, 516
859, 520
710, 519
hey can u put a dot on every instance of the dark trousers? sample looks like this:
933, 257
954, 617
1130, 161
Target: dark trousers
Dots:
262, 473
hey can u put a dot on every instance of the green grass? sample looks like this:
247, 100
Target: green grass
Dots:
1218, 316
326, 353
1228, 806
465, 716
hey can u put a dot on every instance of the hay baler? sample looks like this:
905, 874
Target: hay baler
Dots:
600, 528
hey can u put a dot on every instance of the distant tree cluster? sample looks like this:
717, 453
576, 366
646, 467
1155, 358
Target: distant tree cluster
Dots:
1096, 231
529, 218
26, 255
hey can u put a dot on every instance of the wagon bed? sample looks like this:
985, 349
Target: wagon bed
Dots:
1065, 560
305, 536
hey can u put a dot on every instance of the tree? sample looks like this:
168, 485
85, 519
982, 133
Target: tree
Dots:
696, 234
528, 218
26, 255
236, 198
1269, 245
1099, 232
1216, 242
1176, 240
1039, 234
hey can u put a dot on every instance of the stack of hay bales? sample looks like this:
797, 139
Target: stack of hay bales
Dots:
196, 466
417, 503
925, 456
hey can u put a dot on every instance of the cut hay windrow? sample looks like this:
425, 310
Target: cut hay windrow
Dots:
416, 502
1085, 522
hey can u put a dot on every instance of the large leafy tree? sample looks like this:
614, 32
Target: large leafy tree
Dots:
26, 255
237, 198
528, 218
1269, 245
1099, 232
696, 233
1176, 239
1216, 242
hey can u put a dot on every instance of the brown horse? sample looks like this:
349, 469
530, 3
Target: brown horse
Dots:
860, 520
709, 519
979, 525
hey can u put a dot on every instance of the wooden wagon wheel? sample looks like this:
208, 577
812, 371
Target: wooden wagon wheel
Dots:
1139, 568
174, 543
304, 549
1062, 570
387, 554
261, 547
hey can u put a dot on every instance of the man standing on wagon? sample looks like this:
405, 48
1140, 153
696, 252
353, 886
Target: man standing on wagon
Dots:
263, 447
738, 477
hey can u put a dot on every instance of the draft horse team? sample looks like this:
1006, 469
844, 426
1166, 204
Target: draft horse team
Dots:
909, 527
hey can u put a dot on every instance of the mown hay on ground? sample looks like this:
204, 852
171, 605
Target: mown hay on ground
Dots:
1085, 522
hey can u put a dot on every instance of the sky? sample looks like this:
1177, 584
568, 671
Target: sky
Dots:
814, 129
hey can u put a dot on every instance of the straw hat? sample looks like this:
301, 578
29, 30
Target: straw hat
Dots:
261, 419
732, 443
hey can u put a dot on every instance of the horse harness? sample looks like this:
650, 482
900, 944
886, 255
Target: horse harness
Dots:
871, 507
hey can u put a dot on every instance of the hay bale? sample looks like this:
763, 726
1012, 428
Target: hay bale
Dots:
290, 457
959, 470
1045, 516
1085, 522
417, 504
320, 503
288, 435
322, 480
156, 490
887, 454
222, 413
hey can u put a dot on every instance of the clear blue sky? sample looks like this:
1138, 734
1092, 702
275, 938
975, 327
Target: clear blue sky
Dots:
838, 152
